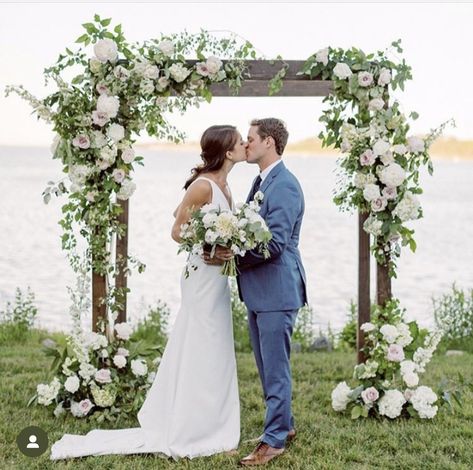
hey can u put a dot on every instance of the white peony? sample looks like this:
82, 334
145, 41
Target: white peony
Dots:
139, 367
123, 330
322, 56
376, 104
119, 361
151, 72
411, 379
389, 332
391, 403
371, 192
342, 71
116, 132
365, 79
108, 105
214, 64
380, 147
106, 50
340, 397
392, 175
72, 384
178, 72
384, 77
166, 47
415, 144
422, 400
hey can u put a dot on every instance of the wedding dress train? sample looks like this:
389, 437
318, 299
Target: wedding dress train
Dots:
192, 408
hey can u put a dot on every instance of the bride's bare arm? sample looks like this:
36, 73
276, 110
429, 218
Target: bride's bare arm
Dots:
198, 194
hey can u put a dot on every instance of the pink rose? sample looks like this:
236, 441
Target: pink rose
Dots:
100, 118
102, 89
365, 79
378, 204
389, 193
202, 69
370, 395
395, 353
85, 406
118, 175
367, 158
103, 376
82, 141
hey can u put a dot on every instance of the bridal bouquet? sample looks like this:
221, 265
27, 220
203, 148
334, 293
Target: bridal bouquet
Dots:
240, 230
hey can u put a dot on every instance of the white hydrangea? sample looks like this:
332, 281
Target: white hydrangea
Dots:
366, 370
408, 207
126, 190
95, 340
340, 397
405, 338
79, 173
119, 361
389, 332
392, 175
373, 225
408, 367
47, 393
422, 400
87, 371
391, 403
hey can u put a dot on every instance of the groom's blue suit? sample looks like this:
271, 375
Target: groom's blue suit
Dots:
273, 290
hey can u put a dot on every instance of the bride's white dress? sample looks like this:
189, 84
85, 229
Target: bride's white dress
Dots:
192, 409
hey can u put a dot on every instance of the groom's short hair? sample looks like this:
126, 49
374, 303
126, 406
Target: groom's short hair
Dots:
275, 128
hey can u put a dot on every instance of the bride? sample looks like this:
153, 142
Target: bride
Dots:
192, 408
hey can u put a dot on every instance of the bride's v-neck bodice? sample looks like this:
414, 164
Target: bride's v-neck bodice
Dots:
218, 196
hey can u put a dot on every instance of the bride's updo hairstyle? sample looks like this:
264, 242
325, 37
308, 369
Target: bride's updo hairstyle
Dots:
215, 142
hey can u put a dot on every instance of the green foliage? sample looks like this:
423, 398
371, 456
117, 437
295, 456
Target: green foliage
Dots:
153, 329
304, 332
453, 313
241, 335
346, 339
17, 319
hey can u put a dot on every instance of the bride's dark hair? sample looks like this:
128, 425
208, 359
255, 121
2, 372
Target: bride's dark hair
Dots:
215, 142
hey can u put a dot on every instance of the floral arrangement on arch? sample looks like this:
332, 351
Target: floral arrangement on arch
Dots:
387, 383
379, 168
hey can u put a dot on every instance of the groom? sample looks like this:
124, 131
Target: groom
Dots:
273, 289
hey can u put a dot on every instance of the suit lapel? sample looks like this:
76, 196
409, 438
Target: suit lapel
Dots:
272, 175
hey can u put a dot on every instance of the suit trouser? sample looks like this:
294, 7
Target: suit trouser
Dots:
270, 334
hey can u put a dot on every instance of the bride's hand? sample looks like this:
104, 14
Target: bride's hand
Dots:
221, 255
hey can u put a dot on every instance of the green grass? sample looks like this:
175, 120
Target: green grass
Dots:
326, 440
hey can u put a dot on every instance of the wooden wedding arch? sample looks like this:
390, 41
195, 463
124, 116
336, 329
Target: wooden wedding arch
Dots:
259, 75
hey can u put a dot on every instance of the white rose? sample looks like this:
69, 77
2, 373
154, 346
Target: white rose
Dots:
118, 175
116, 132
342, 71
139, 367
123, 330
103, 376
166, 47
340, 397
411, 379
128, 155
108, 104
400, 149
392, 175
395, 353
106, 49
389, 193
384, 77
371, 192
99, 118
322, 56
365, 79
376, 104
163, 83
380, 147
72, 384
151, 72
415, 144
119, 361
81, 141
95, 65
213, 64
369, 395
367, 327
123, 352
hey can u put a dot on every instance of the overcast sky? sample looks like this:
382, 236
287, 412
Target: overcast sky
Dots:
437, 41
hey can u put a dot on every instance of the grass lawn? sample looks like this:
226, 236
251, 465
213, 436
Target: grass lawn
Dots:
326, 440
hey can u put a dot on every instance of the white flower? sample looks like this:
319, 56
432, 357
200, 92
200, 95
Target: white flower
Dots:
178, 72
151, 377
106, 49
78, 174
365, 79
389, 332
147, 87
116, 132
415, 144
258, 197
72, 384
210, 236
422, 400
391, 403
371, 192
340, 397
123, 330
400, 149
123, 352
95, 65
378, 204
395, 353
163, 83
99, 118
322, 56
367, 158
387, 158
139, 367
201, 69
384, 77
408, 207
103, 376
374, 226
380, 147
392, 175
369, 395
82, 141
166, 47
411, 379
151, 72
366, 370
342, 71
404, 338
87, 371
103, 353
126, 190
367, 327
99, 139
119, 361
59, 410
214, 64
209, 219
102, 89
107, 157
108, 105
128, 155
389, 193
121, 73
376, 104
47, 393
82, 408
408, 367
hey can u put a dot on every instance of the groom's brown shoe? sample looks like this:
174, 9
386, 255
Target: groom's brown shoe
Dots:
262, 454
291, 436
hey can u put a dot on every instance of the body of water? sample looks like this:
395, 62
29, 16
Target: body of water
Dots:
31, 249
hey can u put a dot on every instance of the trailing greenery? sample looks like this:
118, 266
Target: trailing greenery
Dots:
326, 440
18, 318
453, 313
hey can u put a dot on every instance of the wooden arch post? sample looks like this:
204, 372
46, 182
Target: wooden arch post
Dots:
260, 72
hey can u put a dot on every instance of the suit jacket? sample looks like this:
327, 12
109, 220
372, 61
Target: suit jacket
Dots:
278, 282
